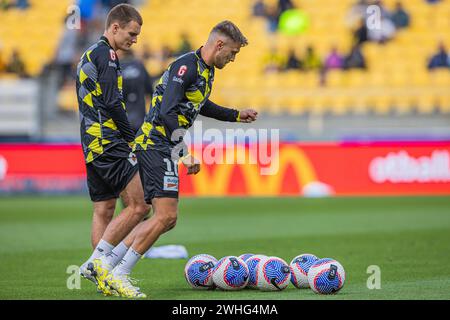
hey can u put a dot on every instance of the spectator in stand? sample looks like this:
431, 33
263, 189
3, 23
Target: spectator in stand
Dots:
356, 13
383, 34
383, 10
87, 8
16, 65
400, 17
5, 5
164, 56
137, 87
334, 60
109, 4
184, 47
360, 34
259, 9
311, 61
166, 53
355, 59
22, 4
293, 63
440, 59
272, 19
66, 54
273, 61
387, 29
284, 5
146, 52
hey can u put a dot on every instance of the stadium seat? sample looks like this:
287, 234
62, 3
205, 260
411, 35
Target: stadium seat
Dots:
33, 38
443, 102
399, 64
426, 103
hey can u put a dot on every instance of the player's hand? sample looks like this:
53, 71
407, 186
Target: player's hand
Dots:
192, 164
248, 115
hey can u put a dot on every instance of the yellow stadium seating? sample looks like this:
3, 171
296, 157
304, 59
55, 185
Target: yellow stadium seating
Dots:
396, 78
34, 32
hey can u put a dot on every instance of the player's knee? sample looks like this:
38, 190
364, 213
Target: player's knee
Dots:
143, 209
171, 223
105, 212
169, 220
140, 211
105, 215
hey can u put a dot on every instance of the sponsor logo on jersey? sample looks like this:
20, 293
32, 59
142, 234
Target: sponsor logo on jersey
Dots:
179, 80
170, 183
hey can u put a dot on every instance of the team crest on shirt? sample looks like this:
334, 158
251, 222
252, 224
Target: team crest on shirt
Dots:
182, 70
132, 159
112, 55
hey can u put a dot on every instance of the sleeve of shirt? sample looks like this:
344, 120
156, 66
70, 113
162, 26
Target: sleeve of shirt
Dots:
212, 110
182, 74
107, 78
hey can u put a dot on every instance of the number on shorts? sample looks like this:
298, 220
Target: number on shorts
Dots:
169, 171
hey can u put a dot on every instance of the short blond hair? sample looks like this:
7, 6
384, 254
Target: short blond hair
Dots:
230, 30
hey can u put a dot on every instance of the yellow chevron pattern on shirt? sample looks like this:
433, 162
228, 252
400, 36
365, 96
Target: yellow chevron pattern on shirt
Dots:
110, 124
182, 121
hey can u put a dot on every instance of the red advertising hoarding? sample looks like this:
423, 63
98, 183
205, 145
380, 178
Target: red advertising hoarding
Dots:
420, 168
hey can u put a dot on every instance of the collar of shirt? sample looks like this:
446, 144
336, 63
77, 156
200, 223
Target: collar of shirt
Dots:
199, 55
105, 39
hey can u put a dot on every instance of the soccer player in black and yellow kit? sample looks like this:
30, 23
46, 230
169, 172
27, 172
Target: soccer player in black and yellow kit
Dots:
180, 96
107, 136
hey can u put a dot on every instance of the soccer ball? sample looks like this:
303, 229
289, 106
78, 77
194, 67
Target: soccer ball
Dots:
245, 256
230, 273
252, 264
299, 269
326, 276
273, 274
198, 271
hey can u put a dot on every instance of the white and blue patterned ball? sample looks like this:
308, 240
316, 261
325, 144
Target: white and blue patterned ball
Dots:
198, 271
273, 274
299, 269
252, 264
326, 276
230, 273
246, 256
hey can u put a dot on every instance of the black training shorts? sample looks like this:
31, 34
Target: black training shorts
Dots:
110, 173
159, 174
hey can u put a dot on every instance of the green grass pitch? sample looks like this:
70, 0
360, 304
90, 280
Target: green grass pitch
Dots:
408, 238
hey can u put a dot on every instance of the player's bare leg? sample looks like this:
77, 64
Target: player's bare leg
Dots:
145, 235
103, 214
164, 219
131, 215
118, 229
112, 258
